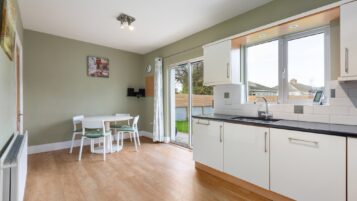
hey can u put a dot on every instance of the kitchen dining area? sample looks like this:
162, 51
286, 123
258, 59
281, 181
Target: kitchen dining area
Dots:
127, 100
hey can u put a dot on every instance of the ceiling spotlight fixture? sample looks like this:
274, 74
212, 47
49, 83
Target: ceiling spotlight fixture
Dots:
126, 21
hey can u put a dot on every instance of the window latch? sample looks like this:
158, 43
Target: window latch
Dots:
283, 74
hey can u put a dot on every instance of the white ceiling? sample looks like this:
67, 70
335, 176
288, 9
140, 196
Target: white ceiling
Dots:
158, 22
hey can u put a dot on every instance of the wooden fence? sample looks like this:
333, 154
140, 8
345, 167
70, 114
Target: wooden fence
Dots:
197, 100
274, 99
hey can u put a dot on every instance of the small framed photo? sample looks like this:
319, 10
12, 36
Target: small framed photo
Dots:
98, 67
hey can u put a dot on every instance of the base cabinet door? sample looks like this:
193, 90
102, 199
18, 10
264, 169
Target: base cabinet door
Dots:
308, 166
208, 143
352, 169
246, 153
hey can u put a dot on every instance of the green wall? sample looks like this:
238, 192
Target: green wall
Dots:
56, 86
8, 90
191, 47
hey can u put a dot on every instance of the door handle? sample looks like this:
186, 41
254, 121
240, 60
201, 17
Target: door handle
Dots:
346, 60
220, 134
304, 141
265, 142
206, 124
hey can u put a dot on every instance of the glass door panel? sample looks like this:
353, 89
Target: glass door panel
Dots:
180, 105
201, 96
188, 97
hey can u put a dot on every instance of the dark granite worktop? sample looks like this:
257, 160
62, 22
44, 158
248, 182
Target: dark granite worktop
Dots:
313, 127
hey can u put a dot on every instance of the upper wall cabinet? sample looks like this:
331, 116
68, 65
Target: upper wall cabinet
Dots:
222, 64
348, 42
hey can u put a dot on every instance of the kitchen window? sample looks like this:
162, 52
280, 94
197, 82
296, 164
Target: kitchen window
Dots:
288, 69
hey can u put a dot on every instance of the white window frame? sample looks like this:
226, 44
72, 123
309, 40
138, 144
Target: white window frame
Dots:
283, 91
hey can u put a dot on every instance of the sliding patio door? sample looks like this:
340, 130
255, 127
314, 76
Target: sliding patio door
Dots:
188, 97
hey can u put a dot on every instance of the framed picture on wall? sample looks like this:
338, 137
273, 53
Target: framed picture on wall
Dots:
8, 22
97, 67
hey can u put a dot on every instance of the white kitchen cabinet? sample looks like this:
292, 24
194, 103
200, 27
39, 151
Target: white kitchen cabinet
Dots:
352, 169
307, 166
208, 143
348, 22
222, 64
246, 153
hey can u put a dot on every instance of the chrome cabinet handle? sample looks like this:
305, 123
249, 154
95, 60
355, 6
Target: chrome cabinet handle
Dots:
346, 60
206, 124
305, 141
228, 74
220, 134
265, 142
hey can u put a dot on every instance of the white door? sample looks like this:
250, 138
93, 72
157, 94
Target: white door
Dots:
308, 166
352, 169
246, 153
348, 20
208, 143
217, 63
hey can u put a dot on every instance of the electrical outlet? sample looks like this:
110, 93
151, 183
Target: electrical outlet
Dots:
333, 93
298, 109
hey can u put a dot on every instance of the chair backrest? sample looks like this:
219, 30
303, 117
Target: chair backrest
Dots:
77, 120
93, 124
135, 122
122, 115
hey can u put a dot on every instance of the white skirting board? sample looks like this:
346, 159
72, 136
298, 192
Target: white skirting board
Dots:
167, 139
67, 144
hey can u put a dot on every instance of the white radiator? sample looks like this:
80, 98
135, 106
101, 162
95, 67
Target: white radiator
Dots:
13, 169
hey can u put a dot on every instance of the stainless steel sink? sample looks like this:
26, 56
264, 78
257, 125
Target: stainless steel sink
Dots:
255, 119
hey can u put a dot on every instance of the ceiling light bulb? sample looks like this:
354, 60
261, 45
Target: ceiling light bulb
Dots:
131, 27
293, 26
263, 35
122, 26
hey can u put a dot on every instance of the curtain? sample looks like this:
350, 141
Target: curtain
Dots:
158, 130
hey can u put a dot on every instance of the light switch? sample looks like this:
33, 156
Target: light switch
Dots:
333, 93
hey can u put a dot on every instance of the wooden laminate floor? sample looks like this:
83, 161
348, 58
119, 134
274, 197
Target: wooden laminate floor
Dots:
157, 172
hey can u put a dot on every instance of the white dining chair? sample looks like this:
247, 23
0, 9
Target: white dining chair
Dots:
116, 125
94, 129
133, 129
123, 115
77, 129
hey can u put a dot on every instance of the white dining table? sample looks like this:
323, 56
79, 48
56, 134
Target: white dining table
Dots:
107, 120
